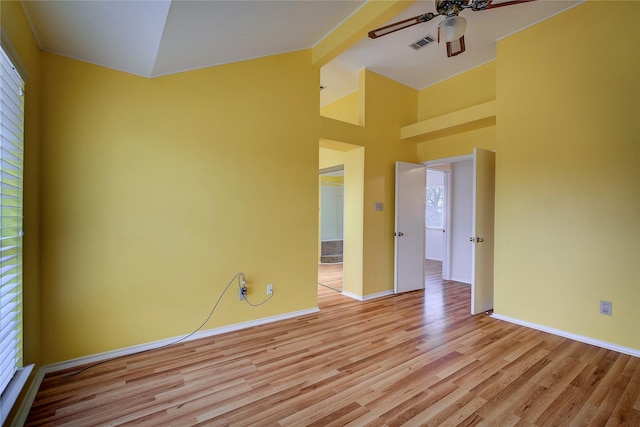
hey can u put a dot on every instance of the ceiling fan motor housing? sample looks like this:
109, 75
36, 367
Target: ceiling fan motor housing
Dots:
453, 7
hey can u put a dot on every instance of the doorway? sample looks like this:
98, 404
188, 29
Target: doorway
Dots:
450, 222
436, 223
330, 265
479, 247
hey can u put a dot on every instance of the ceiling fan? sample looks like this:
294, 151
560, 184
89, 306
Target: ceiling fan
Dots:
451, 28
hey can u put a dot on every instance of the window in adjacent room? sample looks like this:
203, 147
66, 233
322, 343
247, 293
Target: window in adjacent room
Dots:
435, 199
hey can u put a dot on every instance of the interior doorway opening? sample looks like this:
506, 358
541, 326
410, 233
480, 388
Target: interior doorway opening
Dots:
436, 223
330, 265
449, 224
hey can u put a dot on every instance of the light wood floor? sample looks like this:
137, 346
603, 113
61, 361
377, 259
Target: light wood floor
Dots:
412, 359
330, 275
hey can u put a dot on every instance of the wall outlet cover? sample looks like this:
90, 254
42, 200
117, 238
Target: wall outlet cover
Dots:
606, 308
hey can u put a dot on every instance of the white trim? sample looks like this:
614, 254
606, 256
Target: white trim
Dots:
367, 297
352, 14
156, 344
12, 391
352, 295
492, 59
448, 234
377, 295
604, 344
27, 402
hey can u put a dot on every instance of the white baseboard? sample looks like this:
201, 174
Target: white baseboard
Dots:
367, 297
352, 295
156, 344
464, 280
42, 371
575, 337
377, 295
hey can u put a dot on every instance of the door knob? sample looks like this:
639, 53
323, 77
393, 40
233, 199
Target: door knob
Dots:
479, 239
471, 239
400, 233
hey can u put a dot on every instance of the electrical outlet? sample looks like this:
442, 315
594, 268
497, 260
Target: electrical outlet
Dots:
242, 294
269, 289
605, 307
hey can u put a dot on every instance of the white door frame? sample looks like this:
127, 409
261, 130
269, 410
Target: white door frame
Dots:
446, 251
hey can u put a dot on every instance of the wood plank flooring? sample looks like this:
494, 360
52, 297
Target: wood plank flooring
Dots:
412, 359
330, 275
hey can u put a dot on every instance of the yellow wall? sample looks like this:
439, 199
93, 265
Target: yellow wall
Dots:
388, 106
156, 192
458, 144
385, 106
568, 175
468, 89
346, 109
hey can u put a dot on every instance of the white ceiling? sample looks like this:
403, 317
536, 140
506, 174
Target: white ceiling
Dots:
392, 57
157, 37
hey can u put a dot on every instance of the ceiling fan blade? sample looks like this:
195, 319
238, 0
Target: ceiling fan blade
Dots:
499, 3
455, 47
400, 25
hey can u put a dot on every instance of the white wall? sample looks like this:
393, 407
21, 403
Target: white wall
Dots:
434, 238
461, 217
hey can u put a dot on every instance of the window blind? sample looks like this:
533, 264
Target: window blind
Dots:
11, 167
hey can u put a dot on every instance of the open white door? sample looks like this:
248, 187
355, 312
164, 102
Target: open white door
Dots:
409, 227
482, 240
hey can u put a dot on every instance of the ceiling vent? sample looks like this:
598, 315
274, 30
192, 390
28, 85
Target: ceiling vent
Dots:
426, 40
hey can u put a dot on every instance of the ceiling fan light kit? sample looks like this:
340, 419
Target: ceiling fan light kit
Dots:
451, 29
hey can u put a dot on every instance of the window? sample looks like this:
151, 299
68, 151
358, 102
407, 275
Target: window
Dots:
11, 166
435, 199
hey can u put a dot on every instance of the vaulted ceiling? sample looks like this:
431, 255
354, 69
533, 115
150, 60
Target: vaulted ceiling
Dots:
154, 38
